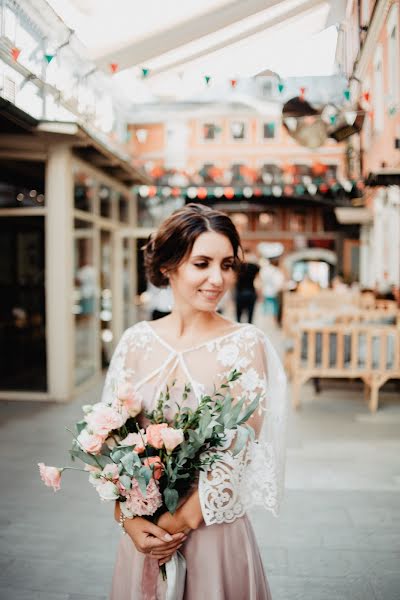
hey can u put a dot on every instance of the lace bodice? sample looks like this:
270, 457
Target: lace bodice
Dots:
255, 475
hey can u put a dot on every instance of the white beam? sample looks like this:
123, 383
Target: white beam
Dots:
138, 53
265, 23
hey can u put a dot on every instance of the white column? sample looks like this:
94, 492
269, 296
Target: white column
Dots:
117, 283
59, 272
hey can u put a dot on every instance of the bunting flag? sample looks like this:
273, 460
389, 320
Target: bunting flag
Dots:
145, 72
350, 116
207, 79
15, 52
281, 87
332, 119
49, 58
233, 83
302, 93
347, 94
366, 96
113, 67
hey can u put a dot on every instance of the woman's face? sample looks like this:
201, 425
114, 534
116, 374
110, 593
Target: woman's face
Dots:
204, 277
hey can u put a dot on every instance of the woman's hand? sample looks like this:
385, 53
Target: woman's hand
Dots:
150, 538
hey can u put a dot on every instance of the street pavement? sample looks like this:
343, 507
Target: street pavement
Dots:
337, 537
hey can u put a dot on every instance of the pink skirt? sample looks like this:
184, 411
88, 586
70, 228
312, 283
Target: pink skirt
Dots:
223, 563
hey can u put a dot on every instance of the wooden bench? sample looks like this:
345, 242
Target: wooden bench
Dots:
356, 350
305, 317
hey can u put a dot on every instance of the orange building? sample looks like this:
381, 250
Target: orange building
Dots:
242, 159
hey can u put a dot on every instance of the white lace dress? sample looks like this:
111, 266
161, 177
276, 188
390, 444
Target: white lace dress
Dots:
222, 557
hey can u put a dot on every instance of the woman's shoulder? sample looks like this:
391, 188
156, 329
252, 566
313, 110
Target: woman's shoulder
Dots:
136, 332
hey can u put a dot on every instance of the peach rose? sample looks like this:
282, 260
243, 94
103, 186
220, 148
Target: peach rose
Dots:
104, 419
51, 476
134, 439
153, 434
172, 438
158, 467
131, 401
90, 442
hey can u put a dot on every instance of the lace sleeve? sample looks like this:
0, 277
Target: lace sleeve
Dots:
118, 370
255, 476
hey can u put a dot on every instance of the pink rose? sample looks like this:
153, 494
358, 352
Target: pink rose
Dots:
90, 442
110, 472
104, 419
158, 466
134, 439
172, 438
130, 399
153, 433
51, 476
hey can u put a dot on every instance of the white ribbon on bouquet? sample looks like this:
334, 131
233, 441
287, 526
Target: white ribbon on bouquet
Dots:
176, 575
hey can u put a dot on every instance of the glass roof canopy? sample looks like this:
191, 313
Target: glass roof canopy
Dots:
182, 42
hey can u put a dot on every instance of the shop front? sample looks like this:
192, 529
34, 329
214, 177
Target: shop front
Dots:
68, 231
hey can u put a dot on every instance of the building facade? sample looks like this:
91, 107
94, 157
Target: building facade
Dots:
369, 55
241, 159
68, 215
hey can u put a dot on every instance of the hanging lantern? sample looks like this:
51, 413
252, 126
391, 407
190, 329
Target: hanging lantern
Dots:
202, 193
15, 52
152, 191
229, 192
142, 135
113, 68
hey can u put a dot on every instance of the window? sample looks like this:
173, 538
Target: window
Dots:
268, 131
238, 130
211, 131
393, 57
237, 173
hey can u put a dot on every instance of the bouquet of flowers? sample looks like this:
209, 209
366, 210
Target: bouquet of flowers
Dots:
151, 468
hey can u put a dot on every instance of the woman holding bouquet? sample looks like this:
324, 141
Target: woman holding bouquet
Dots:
196, 251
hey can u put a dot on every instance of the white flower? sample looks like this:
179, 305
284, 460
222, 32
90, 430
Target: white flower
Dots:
107, 490
228, 355
87, 408
250, 380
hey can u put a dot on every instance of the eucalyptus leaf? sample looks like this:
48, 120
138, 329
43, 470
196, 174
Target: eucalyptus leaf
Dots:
126, 481
250, 410
242, 435
86, 458
142, 484
80, 425
171, 498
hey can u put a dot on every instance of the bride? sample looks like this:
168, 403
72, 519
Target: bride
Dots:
196, 252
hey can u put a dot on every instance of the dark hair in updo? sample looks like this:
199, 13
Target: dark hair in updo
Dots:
173, 241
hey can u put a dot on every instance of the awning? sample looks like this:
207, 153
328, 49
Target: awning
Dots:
388, 176
15, 120
90, 148
353, 216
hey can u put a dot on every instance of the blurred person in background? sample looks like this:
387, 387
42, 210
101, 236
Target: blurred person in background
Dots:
245, 291
272, 279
